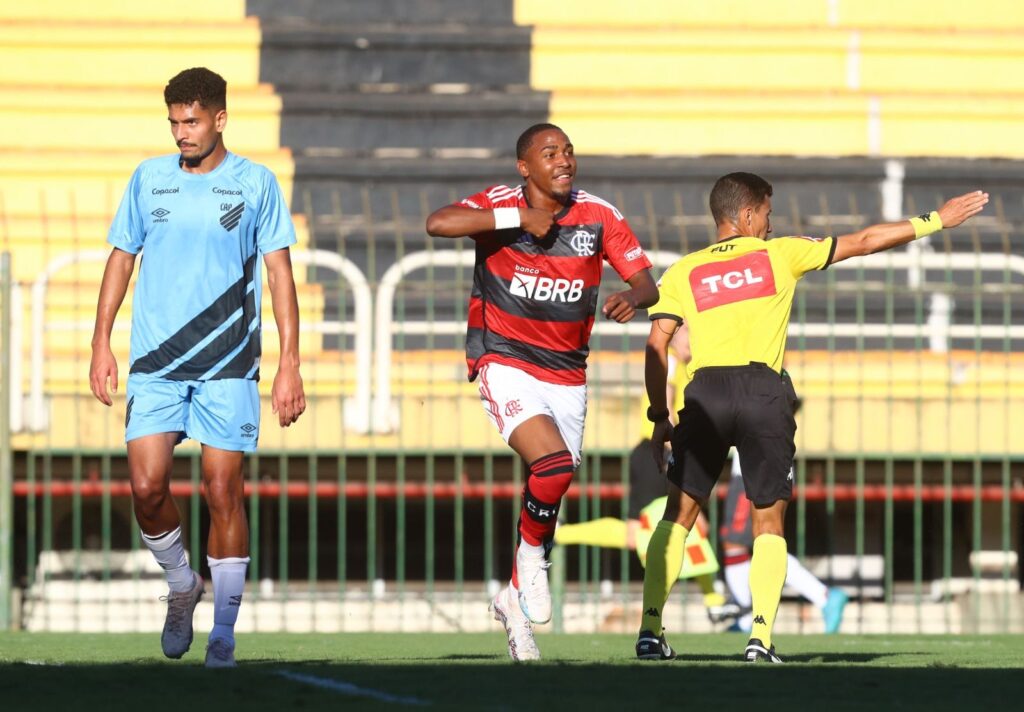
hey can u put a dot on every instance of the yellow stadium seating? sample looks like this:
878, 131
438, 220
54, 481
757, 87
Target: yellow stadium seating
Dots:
124, 119
81, 104
807, 77
55, 53
740, 14
113, 11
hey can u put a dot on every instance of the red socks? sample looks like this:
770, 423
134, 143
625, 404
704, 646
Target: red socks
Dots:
549, 479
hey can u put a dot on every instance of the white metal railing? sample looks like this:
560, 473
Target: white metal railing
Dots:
38, 419
385, 413
357, 413
937, 330
372, 408
17, 359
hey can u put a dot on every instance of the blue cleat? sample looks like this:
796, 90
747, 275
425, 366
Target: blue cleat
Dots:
833, 610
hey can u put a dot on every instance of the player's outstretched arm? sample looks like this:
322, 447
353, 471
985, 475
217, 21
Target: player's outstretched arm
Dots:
655, 378
103, 367
642, 293
460, 221
887, 235
287, 397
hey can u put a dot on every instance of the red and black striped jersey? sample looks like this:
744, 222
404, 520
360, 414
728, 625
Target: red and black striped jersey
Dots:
533, 301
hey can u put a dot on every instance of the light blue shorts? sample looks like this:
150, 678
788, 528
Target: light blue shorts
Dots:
224, 413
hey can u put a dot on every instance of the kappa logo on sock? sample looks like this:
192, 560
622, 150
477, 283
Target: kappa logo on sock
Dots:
760, 620
237, 600
652, 612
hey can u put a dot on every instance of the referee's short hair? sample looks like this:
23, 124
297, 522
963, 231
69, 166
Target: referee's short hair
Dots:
197, 84
736, 191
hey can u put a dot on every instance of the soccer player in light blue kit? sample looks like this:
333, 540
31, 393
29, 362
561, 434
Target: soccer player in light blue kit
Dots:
202, 219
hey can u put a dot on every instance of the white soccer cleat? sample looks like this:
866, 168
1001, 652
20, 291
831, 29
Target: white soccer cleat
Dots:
177, 636
220, 654
534, 593
521, 645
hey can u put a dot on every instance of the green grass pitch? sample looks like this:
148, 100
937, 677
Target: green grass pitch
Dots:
472, 671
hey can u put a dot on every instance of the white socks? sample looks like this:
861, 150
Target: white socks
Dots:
737, 578
536, 552
170, 554
806, 583
228, 585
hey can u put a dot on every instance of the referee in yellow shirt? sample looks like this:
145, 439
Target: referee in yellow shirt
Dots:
735, 296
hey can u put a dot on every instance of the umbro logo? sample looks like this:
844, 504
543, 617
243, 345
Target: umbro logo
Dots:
248, 429
160, 214
759, 620
232, 217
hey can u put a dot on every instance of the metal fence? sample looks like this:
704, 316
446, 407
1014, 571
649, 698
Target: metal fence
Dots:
392, 505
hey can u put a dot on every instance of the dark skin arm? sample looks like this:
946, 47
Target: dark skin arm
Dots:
460, 221
642, 293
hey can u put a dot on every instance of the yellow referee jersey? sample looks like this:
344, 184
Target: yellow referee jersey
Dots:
736, 295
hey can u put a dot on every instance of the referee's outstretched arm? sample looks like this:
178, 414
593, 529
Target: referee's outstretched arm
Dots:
888, 235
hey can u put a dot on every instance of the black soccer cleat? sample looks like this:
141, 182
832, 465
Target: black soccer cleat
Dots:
757, 653
653, 647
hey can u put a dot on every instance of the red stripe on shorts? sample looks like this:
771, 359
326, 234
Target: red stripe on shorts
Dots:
486, 390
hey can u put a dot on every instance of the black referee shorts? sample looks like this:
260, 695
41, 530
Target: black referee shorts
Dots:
750, 407
737, 525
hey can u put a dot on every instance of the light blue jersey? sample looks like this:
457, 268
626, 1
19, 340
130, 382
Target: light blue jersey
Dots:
196, 311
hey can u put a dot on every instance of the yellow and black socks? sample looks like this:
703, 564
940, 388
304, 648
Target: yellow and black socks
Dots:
606, 531
767, 576
712, 597
664, 562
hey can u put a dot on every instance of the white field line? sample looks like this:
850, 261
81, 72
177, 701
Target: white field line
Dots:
347, 688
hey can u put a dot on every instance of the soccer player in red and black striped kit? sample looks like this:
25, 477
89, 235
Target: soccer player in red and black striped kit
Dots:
540, 249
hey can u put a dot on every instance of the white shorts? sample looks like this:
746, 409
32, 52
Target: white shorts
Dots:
511, 396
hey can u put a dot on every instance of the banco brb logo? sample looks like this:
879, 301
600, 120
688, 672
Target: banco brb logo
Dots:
546, 289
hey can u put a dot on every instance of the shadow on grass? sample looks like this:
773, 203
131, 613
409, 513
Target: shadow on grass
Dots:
833, 681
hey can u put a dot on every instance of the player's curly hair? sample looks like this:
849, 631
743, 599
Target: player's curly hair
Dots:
526, 138
197, 84
736, 191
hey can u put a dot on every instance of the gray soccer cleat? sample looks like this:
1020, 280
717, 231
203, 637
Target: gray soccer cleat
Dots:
177, 636
521, 645
220, 654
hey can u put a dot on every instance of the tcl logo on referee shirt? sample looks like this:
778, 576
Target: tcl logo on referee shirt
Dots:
736, 280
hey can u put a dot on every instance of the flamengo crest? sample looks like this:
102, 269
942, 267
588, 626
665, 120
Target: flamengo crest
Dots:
583, 242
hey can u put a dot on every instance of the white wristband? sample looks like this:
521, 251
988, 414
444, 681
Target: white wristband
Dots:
505, 218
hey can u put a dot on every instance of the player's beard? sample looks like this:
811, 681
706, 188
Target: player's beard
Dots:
561, 194
194, 161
